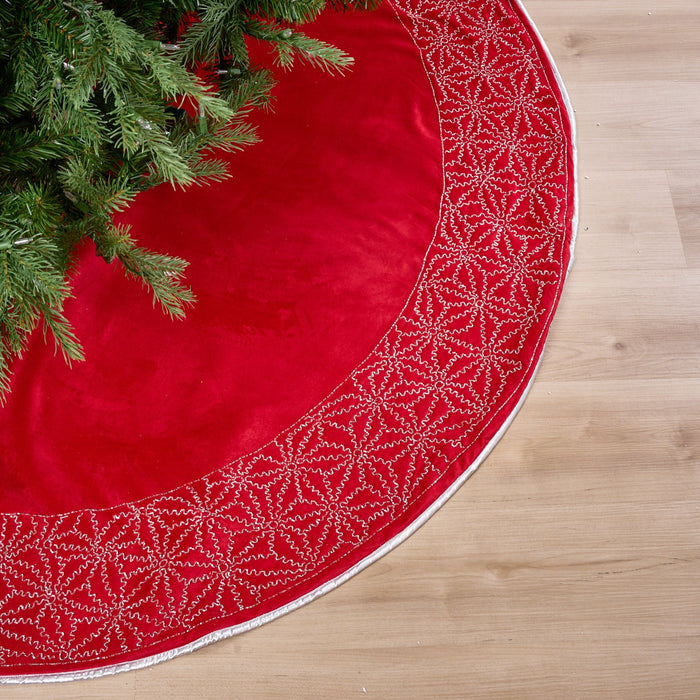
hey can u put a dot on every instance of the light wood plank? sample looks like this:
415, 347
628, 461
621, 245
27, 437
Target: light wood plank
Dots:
597, 41
685, 192
631, 222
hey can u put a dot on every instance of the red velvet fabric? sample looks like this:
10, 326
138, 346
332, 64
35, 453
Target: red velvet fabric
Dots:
362, 412
299, 263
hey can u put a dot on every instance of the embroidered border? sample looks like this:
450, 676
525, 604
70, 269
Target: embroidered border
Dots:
95, 591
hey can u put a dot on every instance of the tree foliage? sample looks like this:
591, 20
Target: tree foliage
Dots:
91, 97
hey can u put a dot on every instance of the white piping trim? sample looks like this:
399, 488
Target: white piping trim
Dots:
394, 541
572, 120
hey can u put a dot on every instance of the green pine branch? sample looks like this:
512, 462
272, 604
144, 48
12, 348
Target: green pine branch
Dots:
103, 99
162, 274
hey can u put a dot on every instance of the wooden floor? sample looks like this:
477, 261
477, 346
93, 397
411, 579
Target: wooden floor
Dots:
569, 565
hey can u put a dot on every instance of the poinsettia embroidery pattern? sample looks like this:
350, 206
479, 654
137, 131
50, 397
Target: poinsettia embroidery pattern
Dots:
98, 587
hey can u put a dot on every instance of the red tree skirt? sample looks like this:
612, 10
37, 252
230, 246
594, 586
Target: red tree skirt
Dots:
375, 288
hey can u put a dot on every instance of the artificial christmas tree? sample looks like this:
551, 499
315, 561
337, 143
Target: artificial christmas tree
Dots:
102, 100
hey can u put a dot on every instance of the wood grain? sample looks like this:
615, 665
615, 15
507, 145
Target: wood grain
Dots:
569, 565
